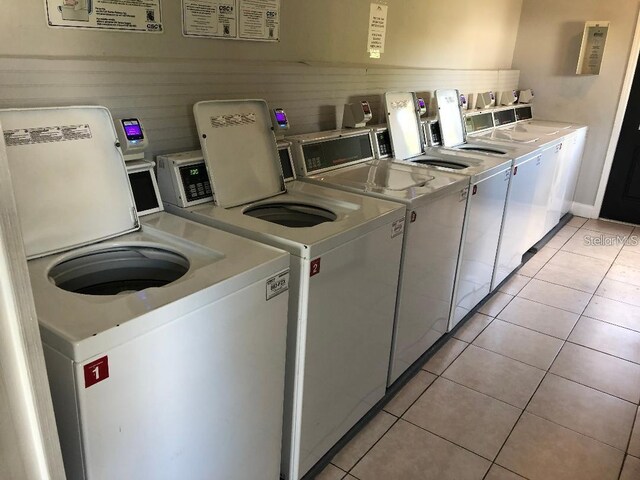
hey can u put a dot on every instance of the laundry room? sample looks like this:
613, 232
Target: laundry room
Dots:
320, 239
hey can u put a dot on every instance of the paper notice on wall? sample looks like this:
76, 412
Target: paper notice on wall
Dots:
120, 15
259, 20
377, 29
210, 18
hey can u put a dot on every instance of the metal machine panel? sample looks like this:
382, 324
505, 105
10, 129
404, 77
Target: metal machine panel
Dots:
403, 123
450, 117
67, 160
241, 171
485, 210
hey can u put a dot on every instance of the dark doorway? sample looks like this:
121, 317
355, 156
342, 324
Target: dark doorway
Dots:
622, 196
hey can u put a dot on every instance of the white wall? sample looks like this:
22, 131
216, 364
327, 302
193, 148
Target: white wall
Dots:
459, 34
546, 54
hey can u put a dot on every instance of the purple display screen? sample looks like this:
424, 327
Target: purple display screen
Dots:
281, 118
132, 129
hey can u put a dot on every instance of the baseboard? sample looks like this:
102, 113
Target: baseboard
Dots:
584, 210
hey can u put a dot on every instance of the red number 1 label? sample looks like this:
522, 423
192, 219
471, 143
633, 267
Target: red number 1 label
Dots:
96, 371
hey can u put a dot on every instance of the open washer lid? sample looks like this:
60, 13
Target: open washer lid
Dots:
240, 150
69, 177
404, 127
450, 118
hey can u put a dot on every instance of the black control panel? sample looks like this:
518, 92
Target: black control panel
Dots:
143, 192
479, 122
337, 151
436, 137
504, 117
285, 161
524, 113
384, 143
195, 181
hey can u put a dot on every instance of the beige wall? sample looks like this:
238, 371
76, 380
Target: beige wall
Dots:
459, 34
546, 53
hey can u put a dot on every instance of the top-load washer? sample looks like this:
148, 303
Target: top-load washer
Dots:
435, 204
165, 358
345, 258
489, 183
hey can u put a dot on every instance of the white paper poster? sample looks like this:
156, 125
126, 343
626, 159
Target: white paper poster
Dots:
259, 20
377, 29
210, 18
121, 15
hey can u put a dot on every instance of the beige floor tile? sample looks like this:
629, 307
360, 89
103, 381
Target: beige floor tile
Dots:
496, 472
409, 393
350, 477
465, 417
615, 312
408, 452
439, 362
519, 343
575, 271
555, 296
472, 327
363, 441
633, 243
541, 450
546, 253
532, 267
495, 304
595, 244
620, 291
495, 375
600, 371
514, 284
628, 258
631, 469
557, 242
604, 226
577, 222
634, 444
598, 415
607, 338
331, 472
541, 318
625, 274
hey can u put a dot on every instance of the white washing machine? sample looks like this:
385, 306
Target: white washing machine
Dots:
435, 202
489, 183
345, 258
164, 343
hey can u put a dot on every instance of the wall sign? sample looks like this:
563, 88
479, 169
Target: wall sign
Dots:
594, 39
120, 15
377, 29
257, 20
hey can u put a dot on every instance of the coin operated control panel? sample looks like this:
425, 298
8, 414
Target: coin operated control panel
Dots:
464, 103
526, 96
421, 107
132, 137
280, 122
183, 179
486, 100
356, 115
508, 98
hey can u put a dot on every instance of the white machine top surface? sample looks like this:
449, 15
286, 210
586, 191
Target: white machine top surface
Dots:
393, 180
69, 177
508, 135
82, 325
450, 117
403, 124
239, 149
354, 215
469, 165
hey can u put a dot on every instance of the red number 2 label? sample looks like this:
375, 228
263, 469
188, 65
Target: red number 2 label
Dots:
315, 267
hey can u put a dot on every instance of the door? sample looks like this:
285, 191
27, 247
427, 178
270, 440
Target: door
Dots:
622, 196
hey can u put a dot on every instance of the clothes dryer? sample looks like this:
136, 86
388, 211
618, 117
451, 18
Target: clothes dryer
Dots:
164, 345
345, 258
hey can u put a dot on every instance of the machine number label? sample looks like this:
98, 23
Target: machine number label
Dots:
96, 371
475, 190
414, 217
315, 267
33, 136
397, 227
277, 285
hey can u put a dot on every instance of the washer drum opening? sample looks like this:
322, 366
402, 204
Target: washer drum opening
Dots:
442, 163
119, 270
294, 215
482, 149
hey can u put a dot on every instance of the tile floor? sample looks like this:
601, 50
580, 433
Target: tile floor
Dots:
542, 383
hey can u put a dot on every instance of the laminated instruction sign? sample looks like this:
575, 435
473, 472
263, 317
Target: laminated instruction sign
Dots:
232, 19
120, 15
377, 29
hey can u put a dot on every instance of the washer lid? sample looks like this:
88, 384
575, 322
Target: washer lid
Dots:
404, 127
69, 177
450, 118
240, 150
